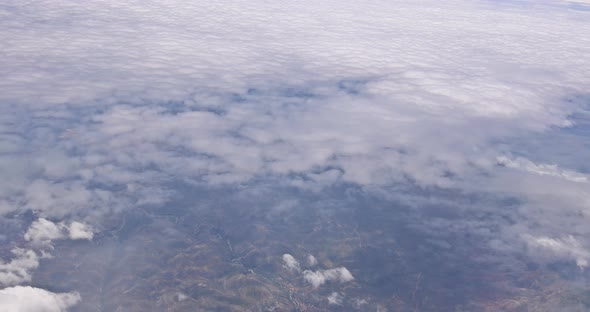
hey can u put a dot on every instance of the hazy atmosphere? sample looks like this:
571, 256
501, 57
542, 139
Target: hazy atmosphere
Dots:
350, 155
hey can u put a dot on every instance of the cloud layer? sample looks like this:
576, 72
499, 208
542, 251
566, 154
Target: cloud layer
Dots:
376, 99
108, 106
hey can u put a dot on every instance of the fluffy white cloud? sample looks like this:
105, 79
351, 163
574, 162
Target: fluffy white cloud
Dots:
31, 299
79, 230
43, 231
291, 263
17, 270
320, 277
335, 298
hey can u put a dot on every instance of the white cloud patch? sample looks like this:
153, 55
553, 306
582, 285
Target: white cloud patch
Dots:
77, 230
291, 263
335, 298
43, 231
542, 169
31, 299
181, 297
564, 248
587, 2
311, 261
17, 270
320, 277
359, 303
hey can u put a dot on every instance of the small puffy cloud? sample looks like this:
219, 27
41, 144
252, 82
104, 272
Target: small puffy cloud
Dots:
335, 298
41, 233
320, 277
311, 260
565, 248
291, 263
18, 269
31, 299
358, 303
80, 231
181, 297
44, 231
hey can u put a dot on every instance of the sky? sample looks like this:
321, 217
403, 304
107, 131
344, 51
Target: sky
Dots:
110, 105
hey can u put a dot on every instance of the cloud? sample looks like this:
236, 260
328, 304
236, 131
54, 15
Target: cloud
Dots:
335, 298
110, 106
311, 261
43, 231
330, 105
17, 270
542, 169
31, 299
181, 297
578, 1
564, 248
349, 77
320, 277
79, 230
291, 263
